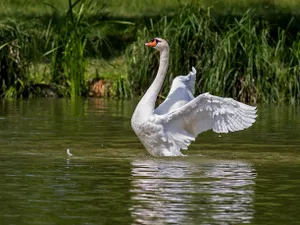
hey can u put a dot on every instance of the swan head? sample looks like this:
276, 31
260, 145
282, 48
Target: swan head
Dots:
158, 43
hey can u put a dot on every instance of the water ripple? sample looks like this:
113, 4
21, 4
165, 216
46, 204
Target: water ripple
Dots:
171, 191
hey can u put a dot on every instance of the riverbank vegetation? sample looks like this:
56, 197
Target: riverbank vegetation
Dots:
248, 50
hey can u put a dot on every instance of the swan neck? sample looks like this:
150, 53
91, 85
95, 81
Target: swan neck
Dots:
151, 95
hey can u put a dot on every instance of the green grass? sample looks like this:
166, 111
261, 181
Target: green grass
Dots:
61, 43
118, 8
249, 55
18, 39
137, 8
240, 59
68, 44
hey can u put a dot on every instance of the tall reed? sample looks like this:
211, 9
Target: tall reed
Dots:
186, 34
68, 40
239, 58
19, 49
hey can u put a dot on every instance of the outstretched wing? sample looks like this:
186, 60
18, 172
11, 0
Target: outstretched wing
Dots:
205, 112
181, 92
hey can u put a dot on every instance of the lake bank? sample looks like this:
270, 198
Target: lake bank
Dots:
266, 50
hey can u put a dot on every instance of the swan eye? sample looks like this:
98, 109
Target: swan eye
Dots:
157, 40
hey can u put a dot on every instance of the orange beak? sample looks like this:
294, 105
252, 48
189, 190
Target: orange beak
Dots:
151, 43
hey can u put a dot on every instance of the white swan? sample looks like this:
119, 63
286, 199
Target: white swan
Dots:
176, 122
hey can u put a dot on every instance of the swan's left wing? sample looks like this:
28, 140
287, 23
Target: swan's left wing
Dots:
203, 113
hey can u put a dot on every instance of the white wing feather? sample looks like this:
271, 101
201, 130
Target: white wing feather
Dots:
203, 113
181, 92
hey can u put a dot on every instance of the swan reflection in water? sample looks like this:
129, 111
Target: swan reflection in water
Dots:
183, 192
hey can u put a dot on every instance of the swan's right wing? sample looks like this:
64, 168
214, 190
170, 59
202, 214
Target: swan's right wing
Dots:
190, 80
206, 112
181, 92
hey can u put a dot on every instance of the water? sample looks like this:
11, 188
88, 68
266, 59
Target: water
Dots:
247, 177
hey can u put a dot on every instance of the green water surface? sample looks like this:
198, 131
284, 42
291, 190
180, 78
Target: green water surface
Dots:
250, 177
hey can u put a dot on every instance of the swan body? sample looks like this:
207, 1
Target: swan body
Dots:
177, 121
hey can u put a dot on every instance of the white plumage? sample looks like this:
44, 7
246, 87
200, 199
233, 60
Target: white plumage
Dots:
69, 153
176, 122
